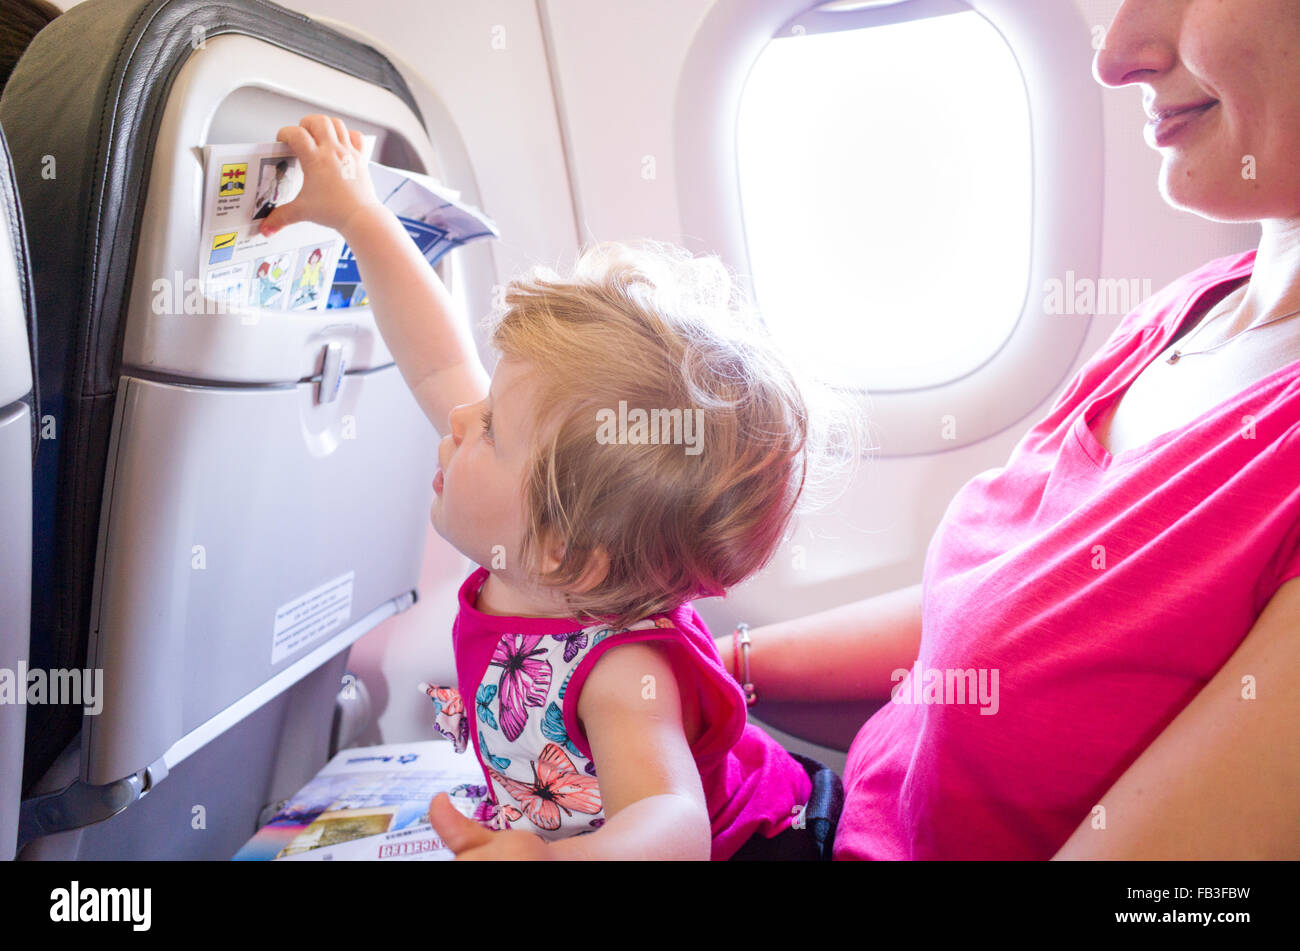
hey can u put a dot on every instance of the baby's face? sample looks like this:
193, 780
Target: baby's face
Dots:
480, 504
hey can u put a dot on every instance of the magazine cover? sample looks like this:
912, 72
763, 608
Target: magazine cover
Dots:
371, 804
433, 215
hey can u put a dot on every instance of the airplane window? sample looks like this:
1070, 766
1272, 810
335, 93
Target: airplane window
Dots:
886, 182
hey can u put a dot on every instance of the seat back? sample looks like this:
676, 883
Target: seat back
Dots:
18, 443
217, 527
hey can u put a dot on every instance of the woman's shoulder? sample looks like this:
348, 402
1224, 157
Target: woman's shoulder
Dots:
1154, 315
1221, 267
1170, 301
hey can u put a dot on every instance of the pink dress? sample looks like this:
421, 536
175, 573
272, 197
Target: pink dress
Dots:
1096, 595
516, 703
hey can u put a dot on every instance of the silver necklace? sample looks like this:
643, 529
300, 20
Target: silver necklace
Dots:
1179, 354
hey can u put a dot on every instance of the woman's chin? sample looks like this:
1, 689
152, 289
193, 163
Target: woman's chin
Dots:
1212, 199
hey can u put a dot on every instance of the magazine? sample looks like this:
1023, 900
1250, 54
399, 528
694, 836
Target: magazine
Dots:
371, 804
306, 266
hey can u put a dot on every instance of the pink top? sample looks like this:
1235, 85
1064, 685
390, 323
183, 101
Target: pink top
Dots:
512, 671
1102, 591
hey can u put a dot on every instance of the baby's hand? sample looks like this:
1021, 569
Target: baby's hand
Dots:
336, 182
471, 842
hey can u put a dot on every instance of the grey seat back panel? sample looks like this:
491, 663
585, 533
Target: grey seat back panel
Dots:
18, 328
249, 596
15, 605
17, 445
84, 177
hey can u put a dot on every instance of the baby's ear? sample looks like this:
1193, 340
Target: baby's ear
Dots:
593, 573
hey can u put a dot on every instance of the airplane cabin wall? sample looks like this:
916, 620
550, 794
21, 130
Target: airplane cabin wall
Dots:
617, 67
559, 104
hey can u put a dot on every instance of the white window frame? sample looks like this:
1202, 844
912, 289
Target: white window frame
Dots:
1052, 45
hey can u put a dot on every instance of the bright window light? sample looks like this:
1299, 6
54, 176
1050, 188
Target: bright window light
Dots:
885, 177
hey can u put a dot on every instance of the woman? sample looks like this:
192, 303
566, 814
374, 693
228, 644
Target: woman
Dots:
1129, 583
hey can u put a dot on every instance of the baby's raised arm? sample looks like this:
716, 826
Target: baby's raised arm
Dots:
429, 340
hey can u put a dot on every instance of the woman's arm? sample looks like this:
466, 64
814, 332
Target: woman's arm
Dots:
1223, 779
846, 653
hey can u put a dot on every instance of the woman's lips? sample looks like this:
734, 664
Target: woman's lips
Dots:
1163, 130
437, 482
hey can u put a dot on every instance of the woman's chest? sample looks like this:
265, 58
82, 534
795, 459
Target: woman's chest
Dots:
1165, 397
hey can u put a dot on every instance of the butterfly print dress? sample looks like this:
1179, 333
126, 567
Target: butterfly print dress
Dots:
516, 706
517, 727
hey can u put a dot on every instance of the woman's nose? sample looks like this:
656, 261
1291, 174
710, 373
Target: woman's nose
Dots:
1139, 45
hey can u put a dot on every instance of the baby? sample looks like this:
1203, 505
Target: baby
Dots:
640, 445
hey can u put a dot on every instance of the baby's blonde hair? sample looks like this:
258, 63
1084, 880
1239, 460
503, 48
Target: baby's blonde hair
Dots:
656, 328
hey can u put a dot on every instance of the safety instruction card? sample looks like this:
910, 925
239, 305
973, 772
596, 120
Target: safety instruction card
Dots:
306, 266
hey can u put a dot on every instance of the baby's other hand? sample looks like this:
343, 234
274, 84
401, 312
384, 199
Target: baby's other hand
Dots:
471, 842
336, 182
